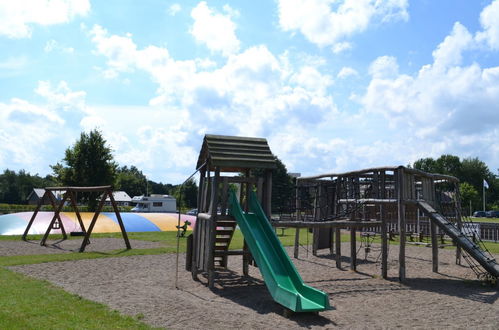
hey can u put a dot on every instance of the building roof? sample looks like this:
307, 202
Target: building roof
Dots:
38, 192
120, 196
235, 153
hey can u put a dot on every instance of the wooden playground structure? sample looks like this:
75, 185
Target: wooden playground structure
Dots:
70, 195
208, 246
385, 201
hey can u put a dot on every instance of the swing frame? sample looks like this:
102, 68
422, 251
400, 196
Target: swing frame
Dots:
70, 195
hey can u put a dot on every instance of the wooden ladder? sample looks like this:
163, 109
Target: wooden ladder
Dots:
226, 225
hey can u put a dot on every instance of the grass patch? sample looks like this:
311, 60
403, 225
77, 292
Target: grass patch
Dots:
26, 303
487, 220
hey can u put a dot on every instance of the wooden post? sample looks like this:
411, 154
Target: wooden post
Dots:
297, 242
457, 206
434, 246
331, 243
401, 221
338, 248
245, 259
353, 249
297, 215
54, 206
72, 200
38, 206
384, 230
200, 203
86, 239
212, 230
120, 221
56, 216
268, 194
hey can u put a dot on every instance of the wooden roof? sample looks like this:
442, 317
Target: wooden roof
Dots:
235, 153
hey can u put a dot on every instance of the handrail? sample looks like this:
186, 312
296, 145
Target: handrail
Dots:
178, 222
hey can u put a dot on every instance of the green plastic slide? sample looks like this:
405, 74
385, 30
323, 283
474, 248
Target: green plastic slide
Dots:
279, 273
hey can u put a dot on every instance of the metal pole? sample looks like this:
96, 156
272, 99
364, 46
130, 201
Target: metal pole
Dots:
483, 189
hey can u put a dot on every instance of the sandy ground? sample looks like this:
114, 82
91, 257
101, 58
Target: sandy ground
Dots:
145, 286
18, 248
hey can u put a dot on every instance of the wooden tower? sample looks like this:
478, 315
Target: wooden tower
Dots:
208, 246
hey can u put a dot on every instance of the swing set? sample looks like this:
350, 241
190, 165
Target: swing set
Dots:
70, 195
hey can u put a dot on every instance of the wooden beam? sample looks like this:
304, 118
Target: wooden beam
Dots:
325, 224
86, 239
353, 249
297, 242
338, 247
56, 216
30, 222
434, 246
81, 189
72, 200
118, 217
401, 222
54, 206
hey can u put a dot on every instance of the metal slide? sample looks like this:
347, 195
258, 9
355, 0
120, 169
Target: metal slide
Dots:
486, 261
278, 271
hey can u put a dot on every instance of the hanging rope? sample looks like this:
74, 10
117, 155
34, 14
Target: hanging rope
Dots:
179, 228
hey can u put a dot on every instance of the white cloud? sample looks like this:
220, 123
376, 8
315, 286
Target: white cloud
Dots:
32, 133
449, 52
384, 67
490, 23
53, 45
217, 31
341, 47
446, 103
174, 9
326, 22
17, 17
346, 72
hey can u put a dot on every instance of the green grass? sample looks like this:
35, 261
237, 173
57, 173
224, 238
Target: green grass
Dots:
27, 303
488, 220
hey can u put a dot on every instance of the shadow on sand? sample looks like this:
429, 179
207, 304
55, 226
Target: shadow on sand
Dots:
252, 293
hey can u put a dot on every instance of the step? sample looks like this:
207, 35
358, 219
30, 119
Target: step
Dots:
224, 232
226, 223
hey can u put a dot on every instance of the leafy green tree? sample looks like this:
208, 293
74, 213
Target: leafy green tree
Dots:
282, 187
426, 164
449, 164
469, 195
89, 162
189, 194
15, 187
131, 180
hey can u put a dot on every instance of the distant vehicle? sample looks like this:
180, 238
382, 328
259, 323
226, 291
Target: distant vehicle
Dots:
480, 214
155, 203
492, 214
192, 212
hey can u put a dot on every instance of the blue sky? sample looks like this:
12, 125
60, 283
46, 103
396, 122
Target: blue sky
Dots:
333, 85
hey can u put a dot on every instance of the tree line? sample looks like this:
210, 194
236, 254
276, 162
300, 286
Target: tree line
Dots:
89, 162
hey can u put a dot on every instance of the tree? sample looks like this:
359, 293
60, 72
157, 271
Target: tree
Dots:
469, 196
189, 194
15, 187
282, 187
426, 164
89, 162
131, 180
